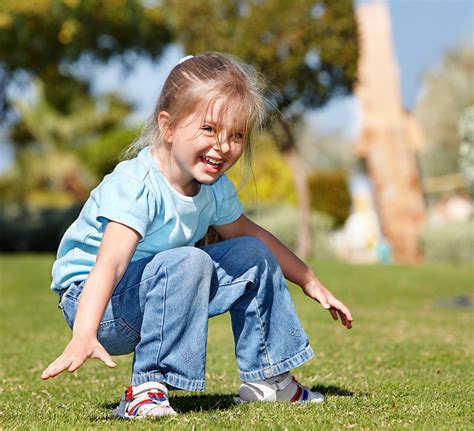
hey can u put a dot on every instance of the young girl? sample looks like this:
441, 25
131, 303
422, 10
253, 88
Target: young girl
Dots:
131, 280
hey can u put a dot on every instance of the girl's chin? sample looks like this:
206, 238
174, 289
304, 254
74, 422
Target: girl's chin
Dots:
209, 173
207, 179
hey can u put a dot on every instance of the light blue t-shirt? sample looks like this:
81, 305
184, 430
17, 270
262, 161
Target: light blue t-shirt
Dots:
136, 194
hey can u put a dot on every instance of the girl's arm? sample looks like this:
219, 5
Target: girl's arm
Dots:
293, 268
116, 249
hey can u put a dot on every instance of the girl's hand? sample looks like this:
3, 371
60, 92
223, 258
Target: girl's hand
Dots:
314, 289
75, 354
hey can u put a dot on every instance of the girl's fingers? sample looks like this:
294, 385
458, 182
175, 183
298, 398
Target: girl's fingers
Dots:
333, 313
45, 374
345, 319
74, 359
105, 358
64, 362
322, 299
344, 313
76, 363
58, 369
55, 368
347, 314
48, 372
338, 305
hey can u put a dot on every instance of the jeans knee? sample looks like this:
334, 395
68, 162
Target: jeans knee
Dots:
196, 258
255, 250
183, 260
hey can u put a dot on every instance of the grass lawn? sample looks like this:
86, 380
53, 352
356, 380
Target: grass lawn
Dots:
406, 364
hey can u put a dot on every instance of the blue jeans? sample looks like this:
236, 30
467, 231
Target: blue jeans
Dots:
160, 310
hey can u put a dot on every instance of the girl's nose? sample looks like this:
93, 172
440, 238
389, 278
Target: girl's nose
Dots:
222, 142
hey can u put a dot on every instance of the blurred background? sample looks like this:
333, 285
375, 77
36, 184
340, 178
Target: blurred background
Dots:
371, 159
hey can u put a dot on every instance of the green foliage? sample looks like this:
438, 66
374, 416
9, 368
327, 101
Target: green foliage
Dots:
282, 220
269, 181
48, 171
45, 38
51, 43
103, 153
52, 179
43, 125
466, 149
330, 194
406, 364
448, 92
452, 243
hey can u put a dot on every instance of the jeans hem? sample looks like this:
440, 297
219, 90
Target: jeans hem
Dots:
171, 379
282, 367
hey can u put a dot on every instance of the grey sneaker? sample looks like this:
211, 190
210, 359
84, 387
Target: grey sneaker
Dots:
283, 388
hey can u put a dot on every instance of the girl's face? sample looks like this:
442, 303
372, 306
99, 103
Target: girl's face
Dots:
202, 146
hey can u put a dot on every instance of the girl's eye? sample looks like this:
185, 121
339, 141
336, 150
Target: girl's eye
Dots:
208, 129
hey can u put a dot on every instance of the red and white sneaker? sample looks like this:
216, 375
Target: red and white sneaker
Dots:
146, 400
284, 388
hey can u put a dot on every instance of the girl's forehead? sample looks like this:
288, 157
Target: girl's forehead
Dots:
222, 112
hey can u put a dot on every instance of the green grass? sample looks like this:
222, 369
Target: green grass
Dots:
406, 364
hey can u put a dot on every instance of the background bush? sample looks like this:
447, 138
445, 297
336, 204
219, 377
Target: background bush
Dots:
330, 194
269, 181
27, 228
452, 243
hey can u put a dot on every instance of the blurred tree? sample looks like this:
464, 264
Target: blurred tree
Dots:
308, 50
60, 153
448, 91
466, 150
46, 38
51, 44
327, 151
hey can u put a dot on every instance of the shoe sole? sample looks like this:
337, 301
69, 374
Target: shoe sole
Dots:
238, 400
132, 418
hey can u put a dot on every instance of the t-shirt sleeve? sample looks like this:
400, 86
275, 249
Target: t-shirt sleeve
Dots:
127, 201
229, 207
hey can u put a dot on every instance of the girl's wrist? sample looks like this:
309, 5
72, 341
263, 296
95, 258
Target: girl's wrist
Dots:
84, 332
309, 282
308, 279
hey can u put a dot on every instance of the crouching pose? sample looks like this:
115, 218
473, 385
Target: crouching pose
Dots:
131, 279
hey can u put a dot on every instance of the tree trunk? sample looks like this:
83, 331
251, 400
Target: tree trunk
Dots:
286, 143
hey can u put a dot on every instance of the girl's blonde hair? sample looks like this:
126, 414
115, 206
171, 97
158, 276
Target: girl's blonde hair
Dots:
204, 79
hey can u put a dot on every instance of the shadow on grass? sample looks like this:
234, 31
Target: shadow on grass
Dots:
332, 390
191, 403
196, 403
109, 405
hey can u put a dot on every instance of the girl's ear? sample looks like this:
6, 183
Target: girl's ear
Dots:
164, 123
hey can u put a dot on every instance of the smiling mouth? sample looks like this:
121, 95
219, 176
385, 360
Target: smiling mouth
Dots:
211, 162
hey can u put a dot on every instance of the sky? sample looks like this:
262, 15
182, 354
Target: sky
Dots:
422, 31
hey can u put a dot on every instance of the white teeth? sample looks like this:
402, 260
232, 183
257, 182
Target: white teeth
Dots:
212, 161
